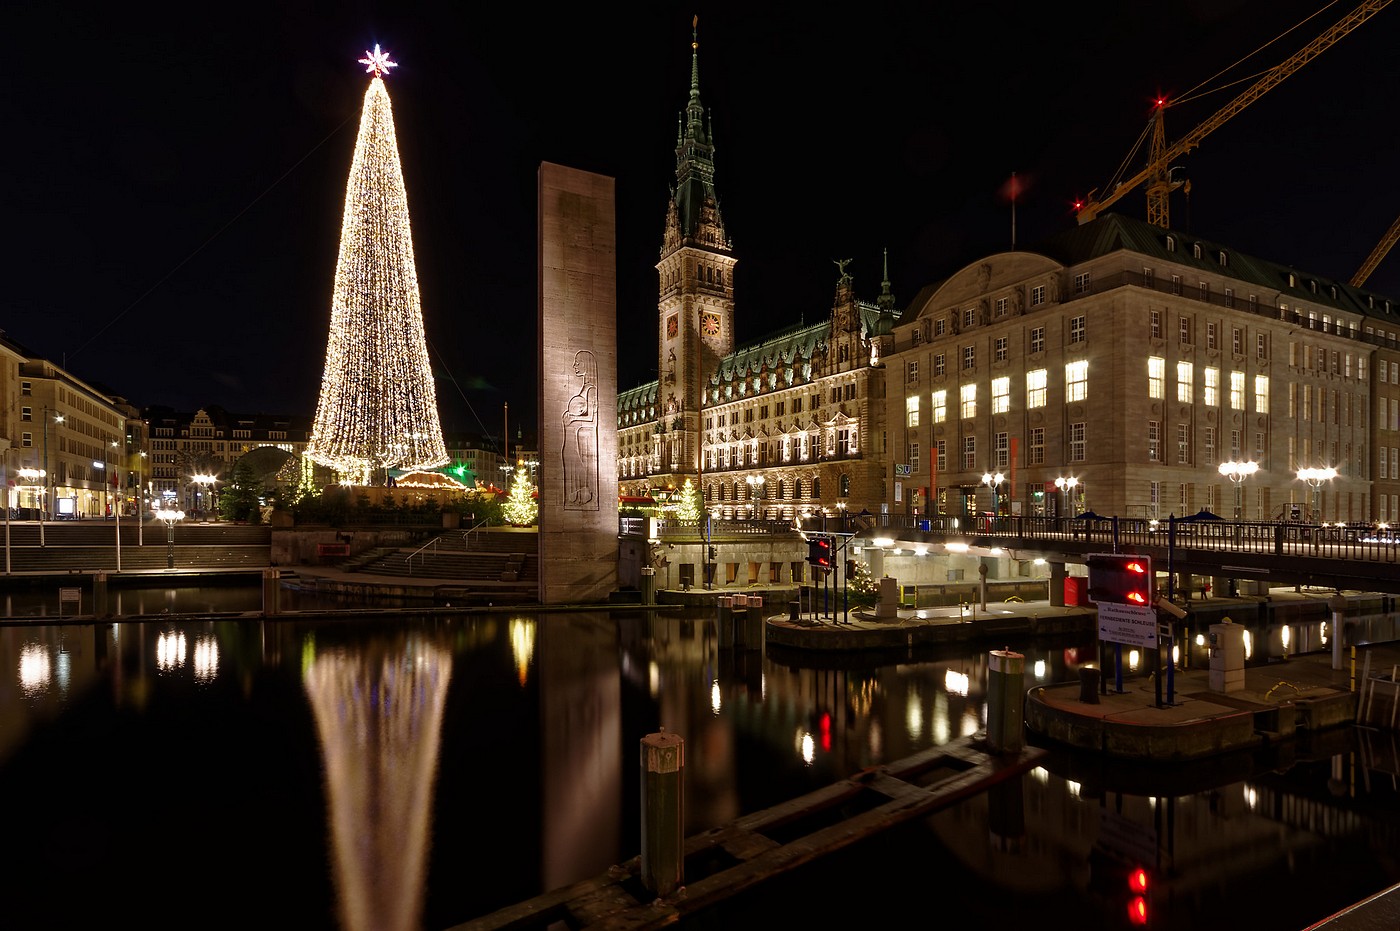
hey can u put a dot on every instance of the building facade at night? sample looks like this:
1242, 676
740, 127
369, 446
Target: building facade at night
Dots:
790, 426
1114, 368
1130, 362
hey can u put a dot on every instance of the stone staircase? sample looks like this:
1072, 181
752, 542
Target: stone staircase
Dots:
495, 556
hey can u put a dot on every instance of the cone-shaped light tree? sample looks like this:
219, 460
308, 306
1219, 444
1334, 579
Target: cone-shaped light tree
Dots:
378, 406
521, 509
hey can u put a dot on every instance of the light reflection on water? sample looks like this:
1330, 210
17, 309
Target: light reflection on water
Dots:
420, 770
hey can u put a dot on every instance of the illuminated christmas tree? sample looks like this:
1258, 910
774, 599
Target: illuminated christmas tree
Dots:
689, 508
378, 406
521, 509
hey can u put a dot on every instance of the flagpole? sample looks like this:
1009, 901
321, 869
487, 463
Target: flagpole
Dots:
1013, 211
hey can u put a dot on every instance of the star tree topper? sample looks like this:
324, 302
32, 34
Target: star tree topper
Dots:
377, 63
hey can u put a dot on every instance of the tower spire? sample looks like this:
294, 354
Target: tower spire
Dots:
696, 204
886, 299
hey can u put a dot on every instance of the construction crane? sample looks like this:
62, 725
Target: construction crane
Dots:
1377, 254
1157, 174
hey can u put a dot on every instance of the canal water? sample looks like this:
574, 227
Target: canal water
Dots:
381, 771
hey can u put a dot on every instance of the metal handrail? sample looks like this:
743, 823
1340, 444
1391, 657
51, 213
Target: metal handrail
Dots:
467, 534
409, 558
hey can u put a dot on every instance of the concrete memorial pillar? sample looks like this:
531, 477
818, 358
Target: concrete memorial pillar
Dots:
577, 314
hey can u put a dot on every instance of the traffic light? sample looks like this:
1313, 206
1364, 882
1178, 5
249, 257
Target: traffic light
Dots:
1125, 889
1138, 883
1115, 578
713, 554
819, 552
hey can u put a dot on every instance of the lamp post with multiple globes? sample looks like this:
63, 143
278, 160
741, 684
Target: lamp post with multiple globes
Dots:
205, 481
1066, 486
1315, 479
1237, 472
993, 481
755, 483
170, 517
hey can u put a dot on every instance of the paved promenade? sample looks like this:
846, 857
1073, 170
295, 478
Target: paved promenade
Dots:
1275, 701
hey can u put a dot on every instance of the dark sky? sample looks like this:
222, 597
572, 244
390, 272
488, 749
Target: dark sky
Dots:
175, 175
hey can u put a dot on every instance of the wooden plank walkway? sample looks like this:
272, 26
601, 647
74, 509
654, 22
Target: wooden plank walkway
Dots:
735, 857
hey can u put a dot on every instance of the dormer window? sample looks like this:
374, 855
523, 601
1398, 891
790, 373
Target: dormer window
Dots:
1224, 259
1171, 243
1196, 251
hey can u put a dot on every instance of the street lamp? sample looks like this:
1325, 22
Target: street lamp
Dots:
110, 478
755, 483
1315, 478
206, 483
45, 473
169, 516
1066, 486
993, 481
1237, 472
141, 502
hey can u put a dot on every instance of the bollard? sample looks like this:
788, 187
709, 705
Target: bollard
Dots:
99, 594
1338, 606
725, 624
663, 813
271, 592
1089, 685
648, 585
794, 610
1005, 710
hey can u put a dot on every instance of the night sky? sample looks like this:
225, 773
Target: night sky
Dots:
175, 176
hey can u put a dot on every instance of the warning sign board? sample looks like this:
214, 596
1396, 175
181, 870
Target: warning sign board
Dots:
1131, 624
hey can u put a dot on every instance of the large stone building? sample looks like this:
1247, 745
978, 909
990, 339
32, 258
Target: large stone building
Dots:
791, 425
1128, 362
68, 452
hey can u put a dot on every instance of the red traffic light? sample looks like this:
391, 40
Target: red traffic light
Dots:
1137, 880
819, 552
1116, 578
1137, 904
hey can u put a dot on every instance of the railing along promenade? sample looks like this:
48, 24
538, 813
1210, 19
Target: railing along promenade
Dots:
1358, 557
1343, 556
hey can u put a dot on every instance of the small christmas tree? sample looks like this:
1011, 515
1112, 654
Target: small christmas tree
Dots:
860, 584
689, 508
520, 509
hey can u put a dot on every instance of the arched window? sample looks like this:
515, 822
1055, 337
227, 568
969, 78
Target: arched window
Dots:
817, 487
781, 490
844, 485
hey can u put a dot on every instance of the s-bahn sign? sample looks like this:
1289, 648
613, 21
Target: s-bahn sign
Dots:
1131, 624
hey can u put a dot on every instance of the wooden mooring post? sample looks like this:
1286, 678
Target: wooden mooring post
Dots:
663, 813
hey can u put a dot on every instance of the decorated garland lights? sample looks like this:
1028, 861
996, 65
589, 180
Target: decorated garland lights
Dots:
378, 404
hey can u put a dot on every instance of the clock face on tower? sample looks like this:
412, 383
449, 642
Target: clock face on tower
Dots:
709, 324
672, 327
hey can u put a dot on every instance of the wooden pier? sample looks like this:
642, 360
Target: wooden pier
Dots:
735, 857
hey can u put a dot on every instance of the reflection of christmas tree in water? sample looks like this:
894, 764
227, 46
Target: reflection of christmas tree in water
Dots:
378, 405
378, 713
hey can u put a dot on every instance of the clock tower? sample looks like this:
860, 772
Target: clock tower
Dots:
696, 303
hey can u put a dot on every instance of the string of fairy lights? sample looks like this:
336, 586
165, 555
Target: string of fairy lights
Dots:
378, 405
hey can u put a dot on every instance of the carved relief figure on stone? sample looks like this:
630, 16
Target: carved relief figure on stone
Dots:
580, 452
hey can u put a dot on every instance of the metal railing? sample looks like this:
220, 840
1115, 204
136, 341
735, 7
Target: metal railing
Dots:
470, 531
421, 551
